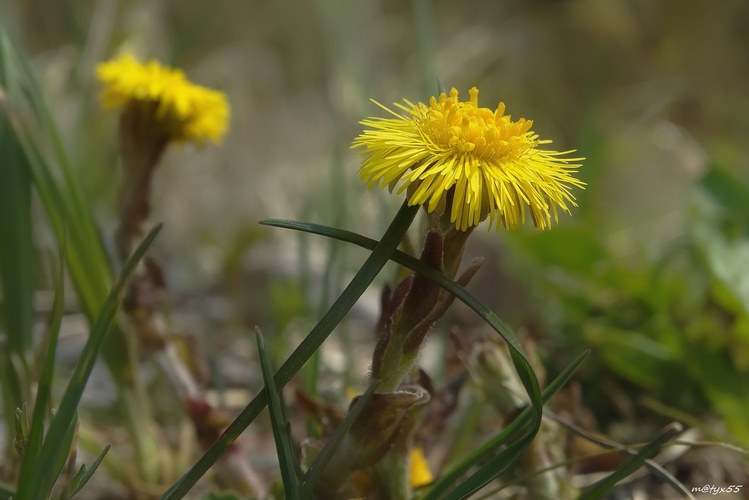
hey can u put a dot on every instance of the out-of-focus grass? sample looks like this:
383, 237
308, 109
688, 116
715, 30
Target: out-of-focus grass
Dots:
649, 272
643, 92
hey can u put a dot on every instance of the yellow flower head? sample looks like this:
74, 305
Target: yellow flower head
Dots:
476, 161
184, 111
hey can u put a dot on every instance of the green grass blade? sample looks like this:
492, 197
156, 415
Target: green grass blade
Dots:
73, 194
6, 491
480, 455
16, 254
87, 261
83, 249
599, 489
424, 25
652, 466
59, 190
61, 457
17, 247
80, 481
63, 198
369, 270
67, 409
45, 381
315, 470
503, 460
278, 423
65, 495
522, 366
61, 193
412, 263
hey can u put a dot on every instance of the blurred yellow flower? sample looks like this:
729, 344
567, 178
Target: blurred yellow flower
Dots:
473, 161
420, 474
180, 109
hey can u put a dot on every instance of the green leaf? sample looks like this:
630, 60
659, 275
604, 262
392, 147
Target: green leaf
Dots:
523, 367
369, 270
634, 356
65, 415
726, 389
17, 247
16, 253
571, 248
652, 466
76, 479
221, 496
6, 491
44, 389
488, 448
728, 260
21, 431
55, 181
410, 262
54, 178
61, 456
315, 470
278, 423
66, 206
508, 455
84, 474
728, 191
599, 489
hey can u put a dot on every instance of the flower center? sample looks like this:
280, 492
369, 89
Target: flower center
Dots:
463, 128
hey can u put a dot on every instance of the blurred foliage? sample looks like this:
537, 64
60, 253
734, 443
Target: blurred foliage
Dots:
651, 272
672, 326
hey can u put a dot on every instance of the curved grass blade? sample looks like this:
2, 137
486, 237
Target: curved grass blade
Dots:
653, 466
508, 455
278, 423
64, 452
16, 256
66, 412
369, 270
62, 197
525, 371
44, 389
444, 482
82, 477
315, 470
599, 489
65, 205
412, 263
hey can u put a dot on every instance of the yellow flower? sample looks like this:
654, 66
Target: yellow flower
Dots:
420, 475
183, 111
474, 161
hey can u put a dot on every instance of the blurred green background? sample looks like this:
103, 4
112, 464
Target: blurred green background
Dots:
651, 271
